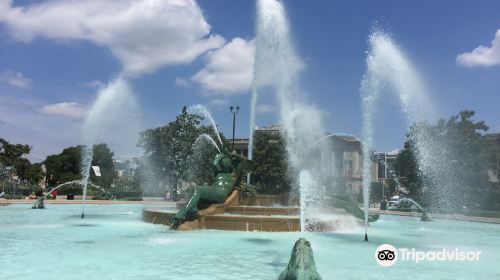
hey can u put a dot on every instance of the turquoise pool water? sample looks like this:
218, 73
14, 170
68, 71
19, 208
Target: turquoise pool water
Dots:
113, 243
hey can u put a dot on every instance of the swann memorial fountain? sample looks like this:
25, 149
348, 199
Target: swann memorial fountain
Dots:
218, 206
223, 233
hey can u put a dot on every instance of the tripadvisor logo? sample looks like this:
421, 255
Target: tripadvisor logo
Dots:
387, 255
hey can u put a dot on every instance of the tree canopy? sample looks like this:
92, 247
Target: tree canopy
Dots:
103, 157
12, 158
169, 150
457, 152
270, 173
66, 166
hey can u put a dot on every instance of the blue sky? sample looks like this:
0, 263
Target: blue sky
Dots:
54, 57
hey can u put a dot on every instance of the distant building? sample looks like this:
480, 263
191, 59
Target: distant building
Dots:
494, 137
348, 157
346, 154
386, 162
241, 144
123, 166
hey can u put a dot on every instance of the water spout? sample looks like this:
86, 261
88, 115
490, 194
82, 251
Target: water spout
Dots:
204, 112
253, 107
112, 119
209, 139
425, 217
38, 204
387, 66
276, 66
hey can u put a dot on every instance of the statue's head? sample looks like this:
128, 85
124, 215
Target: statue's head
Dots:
223, 163
302, 255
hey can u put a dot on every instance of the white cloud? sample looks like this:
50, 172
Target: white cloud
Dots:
266, 108
393, 152
482, 56
47, 134
66, 109
228, 70
94, 84
217, 103
143, 35
182, 82
15, 79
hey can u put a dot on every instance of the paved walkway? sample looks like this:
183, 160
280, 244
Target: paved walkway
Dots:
458, 217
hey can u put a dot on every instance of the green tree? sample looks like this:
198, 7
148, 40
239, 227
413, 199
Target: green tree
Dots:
376, 191
66, 166
12, 157
457, 150
270, 173
198, 162
5, 177
103, 157
406, 166
168, 149
494, 154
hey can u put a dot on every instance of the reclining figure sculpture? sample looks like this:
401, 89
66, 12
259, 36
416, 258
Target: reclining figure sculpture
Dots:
228, 170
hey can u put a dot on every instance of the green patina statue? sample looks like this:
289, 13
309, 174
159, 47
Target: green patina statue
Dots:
301, 265
425, 217
228, 170
38, 204
350, 206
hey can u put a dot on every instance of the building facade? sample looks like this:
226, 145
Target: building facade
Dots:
345, 156
347, 153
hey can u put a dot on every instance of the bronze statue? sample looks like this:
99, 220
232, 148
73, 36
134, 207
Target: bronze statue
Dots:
228, 170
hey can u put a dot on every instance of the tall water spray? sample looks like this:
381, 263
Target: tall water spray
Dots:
113, 119
276, 65
253, 106
388, 68
205, 113
209, 139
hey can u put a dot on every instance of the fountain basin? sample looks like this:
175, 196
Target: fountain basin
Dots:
258, 218
242, 218
266, 211
113, 241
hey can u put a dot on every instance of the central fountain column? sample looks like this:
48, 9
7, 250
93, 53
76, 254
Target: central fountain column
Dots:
276, 66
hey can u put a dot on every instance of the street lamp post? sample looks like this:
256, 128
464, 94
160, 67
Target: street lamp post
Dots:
234, 111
